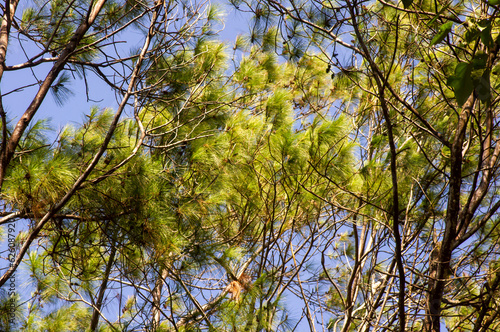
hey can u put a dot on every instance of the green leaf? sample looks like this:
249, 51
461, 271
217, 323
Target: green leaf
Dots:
461, 82
493, 2
482, 86
472, 33
479, 61
407, 3
480, 76
443, 32
486, 37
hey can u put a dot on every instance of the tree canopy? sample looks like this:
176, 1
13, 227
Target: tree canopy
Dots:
335, 168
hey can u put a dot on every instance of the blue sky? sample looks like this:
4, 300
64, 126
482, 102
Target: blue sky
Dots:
73, 110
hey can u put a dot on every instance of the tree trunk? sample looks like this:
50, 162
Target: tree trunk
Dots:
156, 312
100, 297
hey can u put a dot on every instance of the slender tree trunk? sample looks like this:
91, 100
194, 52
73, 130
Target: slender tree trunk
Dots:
100, 297
156, 312
439, 267
9, 11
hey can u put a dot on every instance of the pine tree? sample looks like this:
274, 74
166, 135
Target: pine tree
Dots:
418, 80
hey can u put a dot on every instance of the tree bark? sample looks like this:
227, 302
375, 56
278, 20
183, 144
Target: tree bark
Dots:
100, 296
156, 312
438, 268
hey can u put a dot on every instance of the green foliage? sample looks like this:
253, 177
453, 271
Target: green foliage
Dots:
11, 310
443, 32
